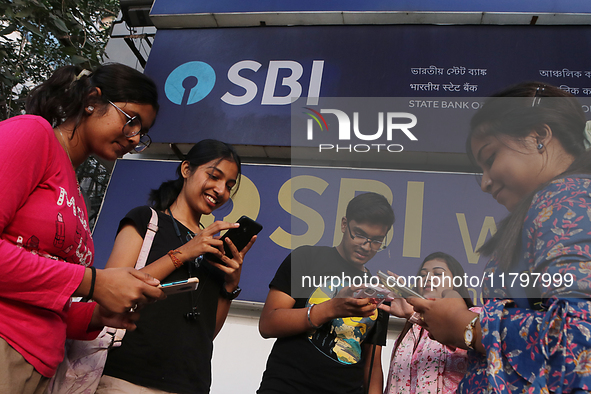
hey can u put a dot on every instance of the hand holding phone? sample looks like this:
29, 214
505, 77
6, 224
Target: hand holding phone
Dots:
179, 286
376, 294
390, 283
239, 236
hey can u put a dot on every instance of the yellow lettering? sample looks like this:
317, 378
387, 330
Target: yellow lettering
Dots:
488, 225
312, 218
413, 219
473, 295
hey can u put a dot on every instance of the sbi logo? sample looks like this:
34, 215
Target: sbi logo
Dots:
191, 82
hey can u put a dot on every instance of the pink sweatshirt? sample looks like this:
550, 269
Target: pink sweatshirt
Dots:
45, 244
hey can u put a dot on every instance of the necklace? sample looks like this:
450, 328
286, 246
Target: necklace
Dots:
65, 145
192, 267
177, 231
69, 157
190, 234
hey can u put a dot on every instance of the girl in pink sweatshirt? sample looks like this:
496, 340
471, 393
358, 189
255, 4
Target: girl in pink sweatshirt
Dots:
46, 249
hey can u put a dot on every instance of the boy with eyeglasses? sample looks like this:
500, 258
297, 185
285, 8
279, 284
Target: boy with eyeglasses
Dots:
328, 340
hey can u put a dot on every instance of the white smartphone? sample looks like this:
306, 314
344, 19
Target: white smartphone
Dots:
402, 291
179, 286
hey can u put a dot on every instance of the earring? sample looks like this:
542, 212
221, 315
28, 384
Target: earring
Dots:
540, 146
90, 108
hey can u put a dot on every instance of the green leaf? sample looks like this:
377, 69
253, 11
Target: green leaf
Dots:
29, 26
44, 25
8, 76
8, 29
38, 4
69, 51
78, 59
61, 25
24, 13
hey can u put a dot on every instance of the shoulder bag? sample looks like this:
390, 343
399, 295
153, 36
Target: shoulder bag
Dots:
84, 361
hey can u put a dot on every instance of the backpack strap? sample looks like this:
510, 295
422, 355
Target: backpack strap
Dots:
147, 244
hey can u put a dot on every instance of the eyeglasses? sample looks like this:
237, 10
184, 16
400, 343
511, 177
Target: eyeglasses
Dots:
133, 127
376, 245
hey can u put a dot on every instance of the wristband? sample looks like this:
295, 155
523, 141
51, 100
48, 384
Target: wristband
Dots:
92, 280
175, 260
310, 320
230, 295
415, 318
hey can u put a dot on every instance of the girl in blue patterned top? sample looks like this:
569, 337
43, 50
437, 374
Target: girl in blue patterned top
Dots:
534, 332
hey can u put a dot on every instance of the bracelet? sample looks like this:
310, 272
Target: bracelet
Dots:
175, 260
310, 320
92, 280
415, 318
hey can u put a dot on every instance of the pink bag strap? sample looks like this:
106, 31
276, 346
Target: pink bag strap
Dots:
147, 244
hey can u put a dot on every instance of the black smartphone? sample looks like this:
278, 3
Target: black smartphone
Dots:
240, 237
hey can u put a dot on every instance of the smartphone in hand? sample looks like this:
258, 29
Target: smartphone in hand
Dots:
392, 284
179, 286
376, 294
240, 237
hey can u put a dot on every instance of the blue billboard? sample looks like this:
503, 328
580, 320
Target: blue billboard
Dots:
304, 205
240, 82
176, 7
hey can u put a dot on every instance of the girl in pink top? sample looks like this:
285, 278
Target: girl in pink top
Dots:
420, 364
46, 249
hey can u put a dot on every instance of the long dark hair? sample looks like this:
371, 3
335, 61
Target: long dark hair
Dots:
514, 113
201, 153
455, 269
67, 93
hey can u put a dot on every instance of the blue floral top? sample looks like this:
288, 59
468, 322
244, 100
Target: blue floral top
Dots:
546, 349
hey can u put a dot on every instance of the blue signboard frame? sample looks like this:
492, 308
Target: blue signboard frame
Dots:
239, 82
429, 215
175, 7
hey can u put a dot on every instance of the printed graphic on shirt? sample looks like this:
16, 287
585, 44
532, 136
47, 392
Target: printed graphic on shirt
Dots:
32, 243
70, 246
341, 338
81, 253
60, 231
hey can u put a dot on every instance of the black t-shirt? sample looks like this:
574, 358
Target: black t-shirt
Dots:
167, 351
329, 359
